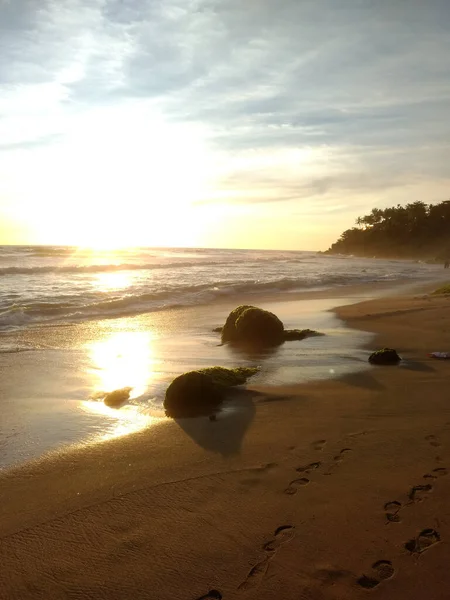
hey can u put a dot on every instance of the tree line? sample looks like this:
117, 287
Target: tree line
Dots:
417, 230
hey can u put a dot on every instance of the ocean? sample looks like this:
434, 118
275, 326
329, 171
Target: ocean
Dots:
58, 284
77, 322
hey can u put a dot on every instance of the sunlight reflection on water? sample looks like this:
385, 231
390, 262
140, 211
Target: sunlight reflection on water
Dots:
129, 419
122, 359
113, 281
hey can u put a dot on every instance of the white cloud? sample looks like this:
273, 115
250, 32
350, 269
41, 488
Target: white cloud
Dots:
300, 102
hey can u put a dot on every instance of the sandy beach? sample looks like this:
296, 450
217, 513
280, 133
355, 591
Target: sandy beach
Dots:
333, 489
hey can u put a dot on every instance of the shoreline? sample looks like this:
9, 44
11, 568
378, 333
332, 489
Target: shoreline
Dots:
315, 293
373, 436
78, 361
290, 360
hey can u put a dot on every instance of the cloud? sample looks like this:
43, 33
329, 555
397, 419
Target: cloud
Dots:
365, 86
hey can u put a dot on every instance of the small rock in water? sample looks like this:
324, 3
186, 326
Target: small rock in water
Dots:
385, 356
117, 397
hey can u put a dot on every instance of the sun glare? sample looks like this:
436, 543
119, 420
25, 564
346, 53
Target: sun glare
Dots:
128, 419
112, 281
124, 359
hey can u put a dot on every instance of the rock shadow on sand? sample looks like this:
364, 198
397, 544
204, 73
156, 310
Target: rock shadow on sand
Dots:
224, 431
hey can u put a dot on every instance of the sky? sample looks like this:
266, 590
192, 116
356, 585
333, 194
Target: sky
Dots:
218, 123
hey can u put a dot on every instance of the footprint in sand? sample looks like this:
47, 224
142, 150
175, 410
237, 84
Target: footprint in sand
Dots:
282, 535
425, 539
308, 468
211, 595
295, 484
319, 444
340, 457
392, 509
419, 492
301, 481
255, 576
337, 460
381, 571
436, 473
433, 441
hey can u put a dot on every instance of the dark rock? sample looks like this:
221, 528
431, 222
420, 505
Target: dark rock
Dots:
229, 377
252, 325
229, 333
249, 325
192, 394
218, 329
291, 335
385, 356
117, 397
259, 326
201, 392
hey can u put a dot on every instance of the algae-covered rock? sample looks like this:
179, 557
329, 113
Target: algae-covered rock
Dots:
253, 325
259, 326
229, 377
444, 290
385, 356
201, 392
229, 333
291, 335
192, 394
117, 397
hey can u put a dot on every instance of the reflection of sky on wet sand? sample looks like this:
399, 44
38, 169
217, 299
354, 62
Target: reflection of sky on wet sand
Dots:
122, 359
129, 419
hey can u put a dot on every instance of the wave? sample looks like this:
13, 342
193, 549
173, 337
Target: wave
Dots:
17, 315
101, 268
113, 267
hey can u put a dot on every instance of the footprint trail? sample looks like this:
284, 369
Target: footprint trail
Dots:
283, 534
425, 539
380, 571
295, 485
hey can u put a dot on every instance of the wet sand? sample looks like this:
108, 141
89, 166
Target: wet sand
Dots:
65, 365
339, 487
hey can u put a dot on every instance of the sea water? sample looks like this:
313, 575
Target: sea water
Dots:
76, 322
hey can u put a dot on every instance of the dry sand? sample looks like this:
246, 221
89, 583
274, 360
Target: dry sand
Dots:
299, 513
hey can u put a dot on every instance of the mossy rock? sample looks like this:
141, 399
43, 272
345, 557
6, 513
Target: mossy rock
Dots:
229, 377
385, 356
445, 289
291, 335
117, 397
192, 394
252, 325
200, 393
228, 331
259, 326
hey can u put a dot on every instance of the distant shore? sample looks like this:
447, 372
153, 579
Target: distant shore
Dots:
338, 485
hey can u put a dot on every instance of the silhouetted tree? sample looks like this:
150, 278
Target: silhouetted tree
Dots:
416, 230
